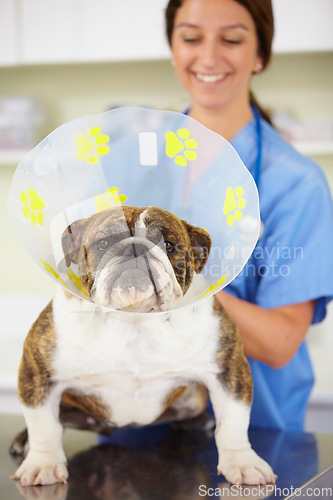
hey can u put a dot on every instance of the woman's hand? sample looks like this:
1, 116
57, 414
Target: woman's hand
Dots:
269, 335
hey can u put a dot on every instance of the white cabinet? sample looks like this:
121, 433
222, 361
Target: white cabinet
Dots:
86, 31
62, 31
49, 30
303, 25
8, 33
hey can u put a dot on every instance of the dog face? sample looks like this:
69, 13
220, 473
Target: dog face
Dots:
137, 259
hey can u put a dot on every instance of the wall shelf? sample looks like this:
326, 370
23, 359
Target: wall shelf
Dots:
11, 156
314, 148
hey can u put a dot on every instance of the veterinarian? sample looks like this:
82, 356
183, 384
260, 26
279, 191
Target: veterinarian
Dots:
217, 46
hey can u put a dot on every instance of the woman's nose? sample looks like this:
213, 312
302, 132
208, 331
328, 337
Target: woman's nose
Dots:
210, 53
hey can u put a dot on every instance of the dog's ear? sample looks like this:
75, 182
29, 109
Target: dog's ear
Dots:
71, 241
200, 246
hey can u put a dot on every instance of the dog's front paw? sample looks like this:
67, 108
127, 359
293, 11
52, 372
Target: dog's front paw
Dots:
41, 468
244, 466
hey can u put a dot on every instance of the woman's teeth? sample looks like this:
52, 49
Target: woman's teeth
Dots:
210, 78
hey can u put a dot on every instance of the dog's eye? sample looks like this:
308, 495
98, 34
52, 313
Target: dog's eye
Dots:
103, 244
169, 247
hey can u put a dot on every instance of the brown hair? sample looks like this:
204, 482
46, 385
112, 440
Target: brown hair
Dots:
262, 15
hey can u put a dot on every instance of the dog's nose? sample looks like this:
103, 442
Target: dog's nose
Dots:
134, 250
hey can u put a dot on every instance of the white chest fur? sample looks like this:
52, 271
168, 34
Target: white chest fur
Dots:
130, 363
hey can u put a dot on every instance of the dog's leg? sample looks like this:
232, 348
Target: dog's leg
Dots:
238, 462
40, 400
188, 409
19, 445
45, 462
74, 418
70, 417
230, 392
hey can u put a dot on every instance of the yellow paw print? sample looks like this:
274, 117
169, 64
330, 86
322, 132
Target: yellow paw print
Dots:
76, 281
180, 143
92, 145
109, 199
53, 273
36, 205
214, 287
234, 204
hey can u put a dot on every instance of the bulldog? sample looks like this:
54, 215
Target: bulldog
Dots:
87, 365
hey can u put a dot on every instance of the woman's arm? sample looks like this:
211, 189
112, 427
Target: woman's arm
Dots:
269, 335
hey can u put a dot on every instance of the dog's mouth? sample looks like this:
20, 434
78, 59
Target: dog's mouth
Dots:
136, 275
138, 285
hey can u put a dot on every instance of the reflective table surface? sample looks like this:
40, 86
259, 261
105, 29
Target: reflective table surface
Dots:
173, 465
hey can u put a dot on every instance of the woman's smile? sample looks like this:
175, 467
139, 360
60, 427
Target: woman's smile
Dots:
210, 78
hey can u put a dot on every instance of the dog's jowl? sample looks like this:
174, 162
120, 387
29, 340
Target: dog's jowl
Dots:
87, 365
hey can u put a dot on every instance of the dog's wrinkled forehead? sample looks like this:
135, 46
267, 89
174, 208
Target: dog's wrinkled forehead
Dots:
123, 222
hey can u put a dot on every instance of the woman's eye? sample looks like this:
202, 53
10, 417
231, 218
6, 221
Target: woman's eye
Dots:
169, 247
190, 37
232, 41
103, 244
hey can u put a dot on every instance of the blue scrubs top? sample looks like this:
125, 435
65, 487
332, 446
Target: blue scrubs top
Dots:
292, 263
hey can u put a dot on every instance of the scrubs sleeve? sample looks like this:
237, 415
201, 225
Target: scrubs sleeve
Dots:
294, 258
